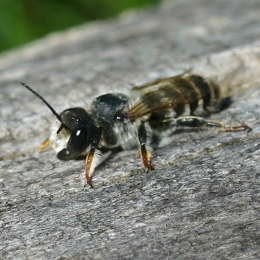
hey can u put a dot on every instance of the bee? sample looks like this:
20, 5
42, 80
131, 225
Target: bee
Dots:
113, 121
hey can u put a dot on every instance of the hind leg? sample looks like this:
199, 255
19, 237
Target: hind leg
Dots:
196, 121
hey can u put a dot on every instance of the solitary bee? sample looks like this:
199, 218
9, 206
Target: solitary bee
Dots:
113, 122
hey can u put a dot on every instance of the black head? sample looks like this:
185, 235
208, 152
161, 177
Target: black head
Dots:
83, 132
78, 123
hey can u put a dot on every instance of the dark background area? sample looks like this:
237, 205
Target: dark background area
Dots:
25, 20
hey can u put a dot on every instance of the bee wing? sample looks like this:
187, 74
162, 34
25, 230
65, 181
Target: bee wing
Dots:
164, 95
174, 93
158, 82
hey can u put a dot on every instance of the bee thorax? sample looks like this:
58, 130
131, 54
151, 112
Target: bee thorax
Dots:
126, 133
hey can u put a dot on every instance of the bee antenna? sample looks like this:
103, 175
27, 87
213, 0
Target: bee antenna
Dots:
43, 100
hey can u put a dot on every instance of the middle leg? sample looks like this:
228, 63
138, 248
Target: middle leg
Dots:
145, 155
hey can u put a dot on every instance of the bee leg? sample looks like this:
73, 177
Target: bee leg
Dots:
44, 145
89, 167
236, 128
145, 155
91, 160
195, 121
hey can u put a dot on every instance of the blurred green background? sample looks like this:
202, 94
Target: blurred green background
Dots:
26, 20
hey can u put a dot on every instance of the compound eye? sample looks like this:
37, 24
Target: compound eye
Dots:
78, 141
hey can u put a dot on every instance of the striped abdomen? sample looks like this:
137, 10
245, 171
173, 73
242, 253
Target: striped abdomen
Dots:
175, 93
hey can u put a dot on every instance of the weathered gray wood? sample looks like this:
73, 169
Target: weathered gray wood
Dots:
202, 202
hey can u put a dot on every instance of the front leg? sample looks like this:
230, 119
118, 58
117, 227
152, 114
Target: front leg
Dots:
145, 155
196, 121
91, 161
89, 167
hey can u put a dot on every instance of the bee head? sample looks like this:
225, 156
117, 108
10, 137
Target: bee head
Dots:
82, 130
76, 123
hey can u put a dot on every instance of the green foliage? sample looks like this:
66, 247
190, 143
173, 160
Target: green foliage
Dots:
25, 20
